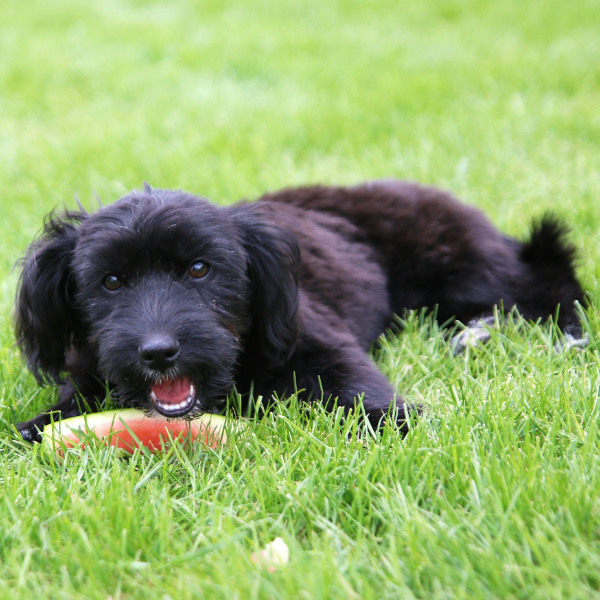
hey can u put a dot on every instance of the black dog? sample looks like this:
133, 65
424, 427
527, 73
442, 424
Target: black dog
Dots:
171, 302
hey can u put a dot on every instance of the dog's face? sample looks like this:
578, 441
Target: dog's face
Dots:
165, 290
164, 293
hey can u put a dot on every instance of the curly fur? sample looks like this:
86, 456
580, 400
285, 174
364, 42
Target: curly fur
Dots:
300, 284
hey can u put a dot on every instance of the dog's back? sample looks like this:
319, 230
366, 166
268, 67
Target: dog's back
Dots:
440, 253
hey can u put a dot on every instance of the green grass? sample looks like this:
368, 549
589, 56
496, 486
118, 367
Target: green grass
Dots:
495, 491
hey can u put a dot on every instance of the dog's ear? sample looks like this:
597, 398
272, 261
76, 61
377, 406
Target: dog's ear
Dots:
45, 318
273, 257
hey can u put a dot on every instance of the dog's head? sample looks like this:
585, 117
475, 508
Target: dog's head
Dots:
165, 291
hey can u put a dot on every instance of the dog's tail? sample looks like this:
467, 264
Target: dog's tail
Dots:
548, 245
549, 258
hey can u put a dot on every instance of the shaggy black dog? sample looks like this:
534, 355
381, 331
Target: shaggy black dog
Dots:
171, 302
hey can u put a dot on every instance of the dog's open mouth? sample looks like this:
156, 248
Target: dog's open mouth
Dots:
173, 397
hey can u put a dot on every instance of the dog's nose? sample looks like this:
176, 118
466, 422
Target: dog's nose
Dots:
159, 351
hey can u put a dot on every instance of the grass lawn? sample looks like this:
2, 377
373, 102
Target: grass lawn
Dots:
495, 493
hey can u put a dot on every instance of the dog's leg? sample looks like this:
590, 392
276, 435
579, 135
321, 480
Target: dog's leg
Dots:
31, 430
343, 374
476, 332
73, 402
365, 384
573, 338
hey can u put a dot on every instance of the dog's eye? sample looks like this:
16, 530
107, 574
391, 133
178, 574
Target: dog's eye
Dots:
198, 270
112, 283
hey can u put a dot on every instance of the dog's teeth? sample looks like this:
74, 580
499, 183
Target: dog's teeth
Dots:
173, 408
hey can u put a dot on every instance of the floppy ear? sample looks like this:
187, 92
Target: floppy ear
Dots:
45, 320
273, 258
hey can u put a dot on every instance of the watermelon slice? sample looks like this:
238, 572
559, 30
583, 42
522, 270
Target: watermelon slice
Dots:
130, 428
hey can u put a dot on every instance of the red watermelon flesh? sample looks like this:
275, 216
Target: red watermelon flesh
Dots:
129, 429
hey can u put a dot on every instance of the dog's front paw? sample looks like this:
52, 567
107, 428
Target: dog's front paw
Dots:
407, 416
31, 430
402, 417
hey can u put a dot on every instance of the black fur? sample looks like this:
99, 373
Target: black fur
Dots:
299, 284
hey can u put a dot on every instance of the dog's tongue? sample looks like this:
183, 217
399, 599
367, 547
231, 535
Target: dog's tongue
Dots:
173, 391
